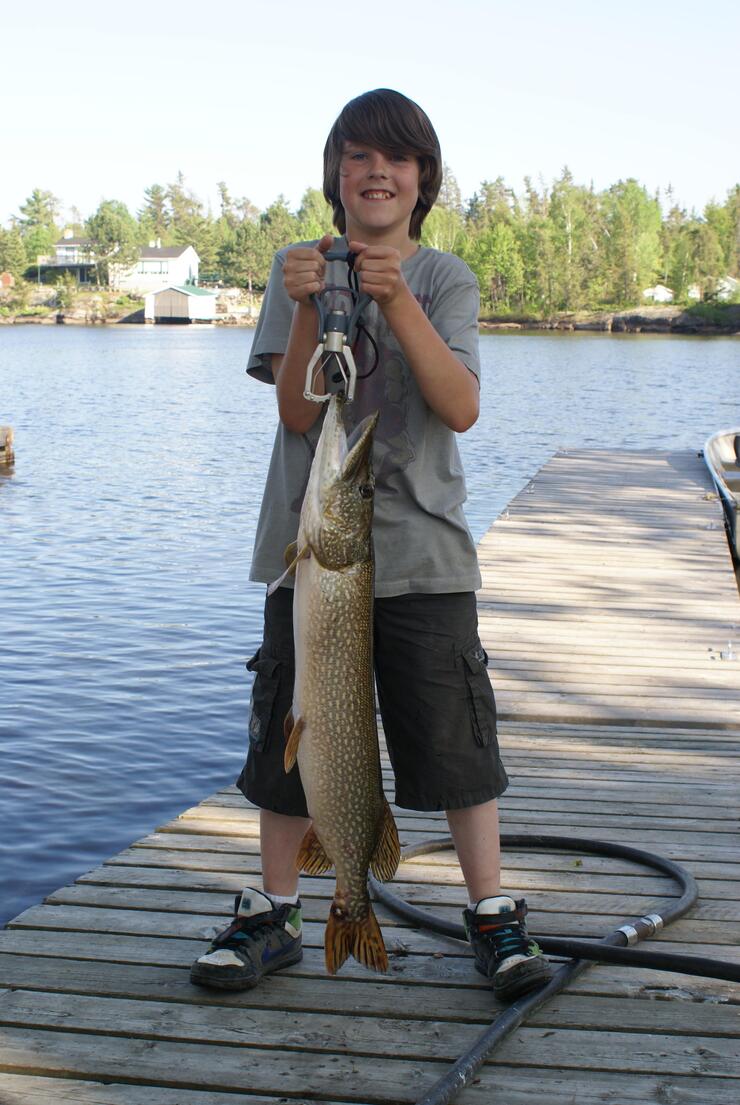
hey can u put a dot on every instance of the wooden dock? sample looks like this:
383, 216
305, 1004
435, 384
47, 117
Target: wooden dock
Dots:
609, 600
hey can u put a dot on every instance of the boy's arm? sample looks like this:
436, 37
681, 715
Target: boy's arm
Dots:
448, 386
303, 275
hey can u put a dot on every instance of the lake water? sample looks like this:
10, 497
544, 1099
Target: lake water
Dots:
127, 526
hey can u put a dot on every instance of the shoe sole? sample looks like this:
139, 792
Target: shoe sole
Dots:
509, 989
202, 975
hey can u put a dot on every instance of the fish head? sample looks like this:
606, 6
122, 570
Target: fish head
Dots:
337, 513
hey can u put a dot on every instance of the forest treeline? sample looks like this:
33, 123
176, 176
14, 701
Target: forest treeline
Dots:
545, 249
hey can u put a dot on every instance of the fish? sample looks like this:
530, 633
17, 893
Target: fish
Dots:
331, 730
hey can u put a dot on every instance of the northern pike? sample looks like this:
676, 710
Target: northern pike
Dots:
331, 730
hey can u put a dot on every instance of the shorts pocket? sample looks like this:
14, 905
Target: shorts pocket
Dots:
480, 693
264, 693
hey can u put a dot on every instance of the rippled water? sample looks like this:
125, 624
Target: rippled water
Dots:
127, 525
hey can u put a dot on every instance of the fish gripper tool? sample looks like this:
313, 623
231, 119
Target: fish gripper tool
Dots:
337, 332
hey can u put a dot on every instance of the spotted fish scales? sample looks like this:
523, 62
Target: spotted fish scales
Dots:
331, 731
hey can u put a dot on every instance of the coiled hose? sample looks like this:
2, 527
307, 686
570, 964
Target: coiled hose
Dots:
611, 949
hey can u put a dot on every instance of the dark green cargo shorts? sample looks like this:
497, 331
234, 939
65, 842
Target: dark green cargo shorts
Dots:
435, 697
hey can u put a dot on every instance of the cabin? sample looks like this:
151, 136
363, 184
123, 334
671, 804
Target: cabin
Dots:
658, 294
158, 267
184, 303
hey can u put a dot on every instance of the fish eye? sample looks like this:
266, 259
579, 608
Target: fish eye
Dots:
366, 490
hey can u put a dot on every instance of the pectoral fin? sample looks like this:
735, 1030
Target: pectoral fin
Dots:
292, 565
387, 854
311, 856
292, 730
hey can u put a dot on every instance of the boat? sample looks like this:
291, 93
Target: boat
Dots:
722, 458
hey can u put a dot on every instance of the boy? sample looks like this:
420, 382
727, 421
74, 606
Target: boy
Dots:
418, 364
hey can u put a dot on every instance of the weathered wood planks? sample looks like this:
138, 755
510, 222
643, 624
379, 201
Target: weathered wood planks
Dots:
618, 724
609, 596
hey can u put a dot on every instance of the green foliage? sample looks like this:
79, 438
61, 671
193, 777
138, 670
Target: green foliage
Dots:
553, 248
67, 288
114, 239
12, 252
315, 217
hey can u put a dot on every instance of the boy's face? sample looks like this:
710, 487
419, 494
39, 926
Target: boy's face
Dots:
378, 190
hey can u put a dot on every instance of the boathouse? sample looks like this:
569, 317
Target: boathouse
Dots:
180, 303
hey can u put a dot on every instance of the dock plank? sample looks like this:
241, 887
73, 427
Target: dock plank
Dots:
608, 601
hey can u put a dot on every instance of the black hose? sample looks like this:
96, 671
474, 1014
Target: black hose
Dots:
609, 950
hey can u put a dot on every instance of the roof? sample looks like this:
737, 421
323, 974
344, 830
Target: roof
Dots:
162, 251
73, 242
186, 289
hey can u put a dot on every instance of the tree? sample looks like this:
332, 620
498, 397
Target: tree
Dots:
114, 242
631, 228
12, 252
444, 227
315, 216
494, 202
573, 215
496, 260
154, 218
37, 223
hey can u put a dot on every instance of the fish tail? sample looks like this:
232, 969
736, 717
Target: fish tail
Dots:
361, 939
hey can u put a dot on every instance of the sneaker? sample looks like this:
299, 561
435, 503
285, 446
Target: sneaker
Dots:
503, 951
261, 939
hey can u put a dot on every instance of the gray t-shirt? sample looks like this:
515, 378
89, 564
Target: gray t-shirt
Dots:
422, 541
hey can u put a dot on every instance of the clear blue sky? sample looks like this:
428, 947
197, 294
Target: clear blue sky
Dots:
106, 104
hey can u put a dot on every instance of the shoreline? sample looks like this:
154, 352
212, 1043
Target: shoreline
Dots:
703, 320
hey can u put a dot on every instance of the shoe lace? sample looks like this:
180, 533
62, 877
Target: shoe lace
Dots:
505, 940
241, 929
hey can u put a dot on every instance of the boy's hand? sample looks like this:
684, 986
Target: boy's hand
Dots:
304, 268
380, 272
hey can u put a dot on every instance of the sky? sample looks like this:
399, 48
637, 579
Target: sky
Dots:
101, 101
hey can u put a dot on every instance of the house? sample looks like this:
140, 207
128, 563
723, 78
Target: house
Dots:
658, 294
727, 288
71, 254
7, 280
158, 267
184, 303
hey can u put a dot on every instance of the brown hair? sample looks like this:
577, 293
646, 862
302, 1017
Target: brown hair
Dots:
388, 121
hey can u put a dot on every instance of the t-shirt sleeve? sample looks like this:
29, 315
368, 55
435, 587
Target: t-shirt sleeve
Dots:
273, 325
454, 315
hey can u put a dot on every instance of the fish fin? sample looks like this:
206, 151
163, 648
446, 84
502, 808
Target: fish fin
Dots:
387, 854
290, 570
293, 730
311, 856
291, 552
361, 939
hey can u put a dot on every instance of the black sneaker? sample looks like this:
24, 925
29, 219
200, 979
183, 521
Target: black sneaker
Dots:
503, 952
262, 938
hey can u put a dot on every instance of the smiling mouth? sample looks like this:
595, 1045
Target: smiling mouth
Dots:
378, 194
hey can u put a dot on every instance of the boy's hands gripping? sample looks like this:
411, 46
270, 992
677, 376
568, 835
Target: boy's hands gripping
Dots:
380, 272
304, 269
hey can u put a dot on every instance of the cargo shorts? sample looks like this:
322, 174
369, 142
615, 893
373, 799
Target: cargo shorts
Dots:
434, 694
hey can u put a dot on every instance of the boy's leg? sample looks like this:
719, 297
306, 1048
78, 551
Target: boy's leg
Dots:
265, 934
475, 833
280, 839
439, 717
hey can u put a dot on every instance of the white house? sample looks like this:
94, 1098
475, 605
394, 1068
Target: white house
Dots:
658, 294
158, 267
184, 303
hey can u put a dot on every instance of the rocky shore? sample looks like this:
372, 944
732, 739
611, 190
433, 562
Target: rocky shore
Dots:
701, 319
237, 307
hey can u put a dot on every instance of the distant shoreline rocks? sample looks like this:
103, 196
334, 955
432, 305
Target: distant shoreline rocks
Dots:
706, 319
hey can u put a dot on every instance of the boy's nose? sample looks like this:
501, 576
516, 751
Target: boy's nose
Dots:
378, 165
